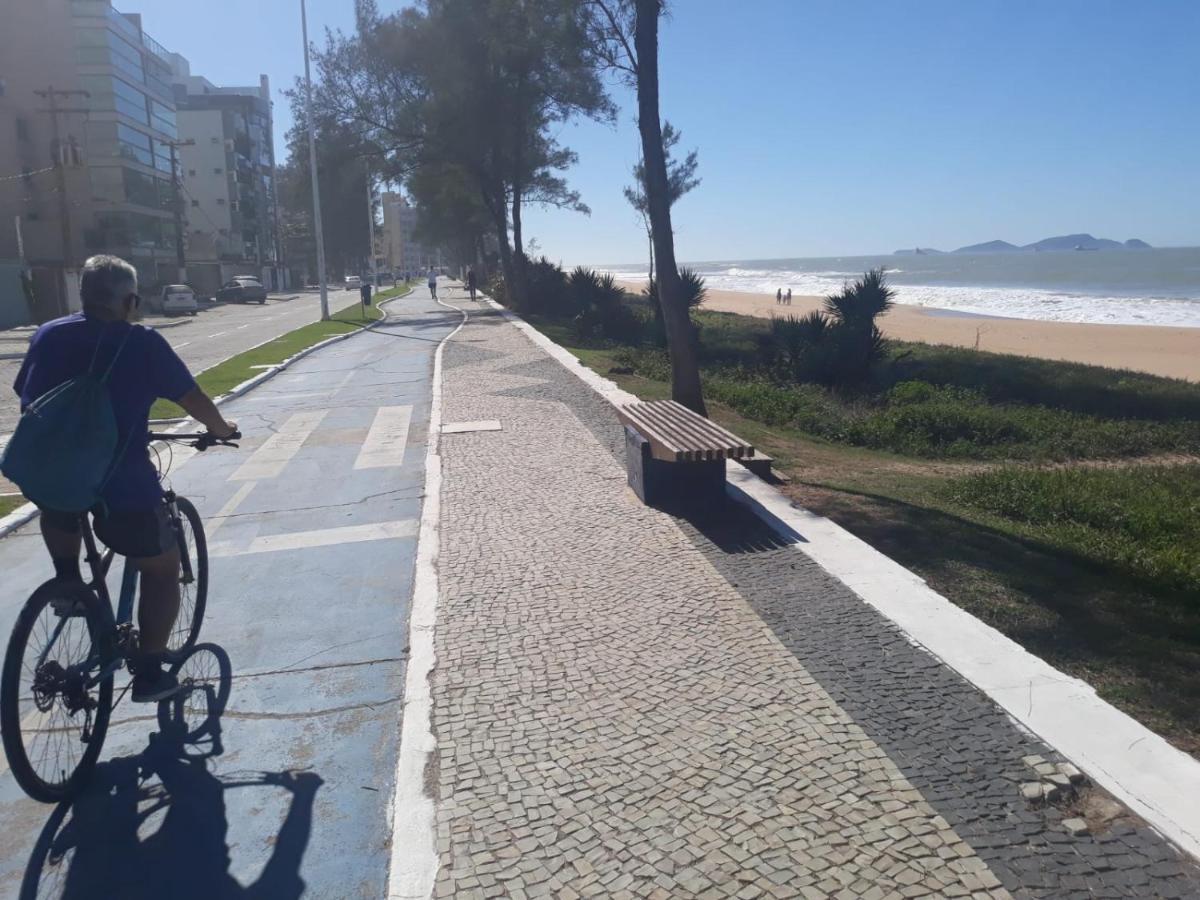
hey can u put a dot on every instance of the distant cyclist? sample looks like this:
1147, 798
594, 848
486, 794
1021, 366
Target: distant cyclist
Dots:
432, 282
133, 519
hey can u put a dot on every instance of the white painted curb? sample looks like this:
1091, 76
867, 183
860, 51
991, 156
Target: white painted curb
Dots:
1155, 780
413, 870
26, 513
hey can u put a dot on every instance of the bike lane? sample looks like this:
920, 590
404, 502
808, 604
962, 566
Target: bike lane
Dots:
312, 530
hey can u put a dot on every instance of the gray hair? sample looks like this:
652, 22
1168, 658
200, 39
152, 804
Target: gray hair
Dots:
105, 281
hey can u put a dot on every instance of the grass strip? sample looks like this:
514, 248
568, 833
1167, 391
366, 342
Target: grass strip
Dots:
224, 376
8, 504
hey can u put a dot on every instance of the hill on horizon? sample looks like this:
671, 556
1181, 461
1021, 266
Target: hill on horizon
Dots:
1082, 241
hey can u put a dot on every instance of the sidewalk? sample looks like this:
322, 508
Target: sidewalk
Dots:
629, 704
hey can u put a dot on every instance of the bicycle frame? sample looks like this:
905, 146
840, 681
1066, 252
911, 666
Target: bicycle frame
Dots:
100, 565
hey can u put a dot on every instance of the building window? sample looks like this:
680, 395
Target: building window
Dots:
195, 203
220, 201
192, 173
134, 145
218, 171
215, 140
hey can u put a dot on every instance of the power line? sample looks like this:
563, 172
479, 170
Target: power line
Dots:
29, 174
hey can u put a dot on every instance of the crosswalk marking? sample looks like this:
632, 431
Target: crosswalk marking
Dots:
216, 522
387, 438
326, 537
277, 450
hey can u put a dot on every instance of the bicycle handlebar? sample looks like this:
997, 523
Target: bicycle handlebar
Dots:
201, 440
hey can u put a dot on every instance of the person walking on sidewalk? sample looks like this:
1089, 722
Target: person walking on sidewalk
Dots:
471, 284
432, 282
132, 518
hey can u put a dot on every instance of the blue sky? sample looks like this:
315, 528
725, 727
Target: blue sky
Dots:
852, 126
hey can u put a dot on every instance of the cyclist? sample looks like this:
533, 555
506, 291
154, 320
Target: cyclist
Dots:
133, 519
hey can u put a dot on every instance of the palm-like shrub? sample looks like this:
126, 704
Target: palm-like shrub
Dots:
694, 289
838, 346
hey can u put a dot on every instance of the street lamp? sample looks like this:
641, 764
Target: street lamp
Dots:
312, 164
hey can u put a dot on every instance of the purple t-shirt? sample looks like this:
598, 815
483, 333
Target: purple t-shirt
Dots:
146, 369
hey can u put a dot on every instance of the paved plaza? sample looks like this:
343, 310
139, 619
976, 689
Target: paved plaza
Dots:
629, 703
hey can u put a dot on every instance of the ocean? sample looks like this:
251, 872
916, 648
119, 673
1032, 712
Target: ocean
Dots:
1129, 287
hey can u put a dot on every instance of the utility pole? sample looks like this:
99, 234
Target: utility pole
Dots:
312, 164
370, 226
59, 155
180, 262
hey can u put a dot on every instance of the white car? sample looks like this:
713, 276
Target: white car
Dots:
353, 282
178, 299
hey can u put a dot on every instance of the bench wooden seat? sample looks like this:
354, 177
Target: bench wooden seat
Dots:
673, 455
676, 434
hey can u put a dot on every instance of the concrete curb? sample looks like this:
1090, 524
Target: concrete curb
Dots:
413, 868
1154, 779
24, 514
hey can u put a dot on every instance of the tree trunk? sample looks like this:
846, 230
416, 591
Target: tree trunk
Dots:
681, 336
496, 208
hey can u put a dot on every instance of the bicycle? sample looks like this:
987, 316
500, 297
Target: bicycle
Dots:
66, 689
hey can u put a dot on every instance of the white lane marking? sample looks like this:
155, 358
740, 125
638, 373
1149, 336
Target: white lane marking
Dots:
413, 869
387, 438
218, 334
277, 450
269, 398
247, 325
227, 510
184, 344
327, 537
469, 427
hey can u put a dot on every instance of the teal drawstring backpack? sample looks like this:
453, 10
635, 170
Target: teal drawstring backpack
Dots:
64, 448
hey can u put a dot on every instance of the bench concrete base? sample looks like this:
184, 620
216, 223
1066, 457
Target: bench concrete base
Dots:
659, 483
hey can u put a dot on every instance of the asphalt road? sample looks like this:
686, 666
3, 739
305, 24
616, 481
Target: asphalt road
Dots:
216, 334
312, 530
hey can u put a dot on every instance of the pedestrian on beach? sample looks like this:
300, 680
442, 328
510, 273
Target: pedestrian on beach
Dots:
789, 296
432, 283
471, 285
779, 295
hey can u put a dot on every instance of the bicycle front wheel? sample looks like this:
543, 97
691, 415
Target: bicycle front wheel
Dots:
52, 720
193, 577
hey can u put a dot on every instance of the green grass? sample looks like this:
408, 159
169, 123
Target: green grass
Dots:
1141, 521
225, 376
8, 504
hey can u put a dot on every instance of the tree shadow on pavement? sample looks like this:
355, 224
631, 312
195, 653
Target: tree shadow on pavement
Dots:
155, 824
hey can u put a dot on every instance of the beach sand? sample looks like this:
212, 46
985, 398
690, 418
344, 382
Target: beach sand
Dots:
1160, 350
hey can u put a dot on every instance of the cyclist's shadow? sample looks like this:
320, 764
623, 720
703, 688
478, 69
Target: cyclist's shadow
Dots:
154, 825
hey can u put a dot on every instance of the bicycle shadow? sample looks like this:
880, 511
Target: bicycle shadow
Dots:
155, 824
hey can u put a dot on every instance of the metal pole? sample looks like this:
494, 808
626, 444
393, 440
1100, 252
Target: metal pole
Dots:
312, 163
64, 208
370, 226
180, 261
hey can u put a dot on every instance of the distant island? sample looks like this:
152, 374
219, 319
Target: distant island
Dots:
1062, 242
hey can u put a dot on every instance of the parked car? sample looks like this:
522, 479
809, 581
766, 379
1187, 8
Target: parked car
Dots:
353, 282
177, 299
242, 289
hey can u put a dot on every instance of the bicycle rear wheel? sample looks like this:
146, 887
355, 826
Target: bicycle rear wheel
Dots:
53, 722
193, 577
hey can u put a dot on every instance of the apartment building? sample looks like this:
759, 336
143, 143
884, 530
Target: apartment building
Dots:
87, 120
227, 176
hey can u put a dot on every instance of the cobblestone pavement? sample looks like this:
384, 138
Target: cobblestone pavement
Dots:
629, 704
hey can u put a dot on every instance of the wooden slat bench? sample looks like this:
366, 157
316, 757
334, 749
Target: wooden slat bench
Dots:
673, 454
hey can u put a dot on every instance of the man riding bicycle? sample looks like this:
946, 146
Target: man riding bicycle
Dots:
132, 519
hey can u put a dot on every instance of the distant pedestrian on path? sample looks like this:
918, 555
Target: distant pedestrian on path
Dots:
471, 284
433, 283
365, 291
779, 295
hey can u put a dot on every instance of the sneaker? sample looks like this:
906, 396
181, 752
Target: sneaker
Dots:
154, 686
